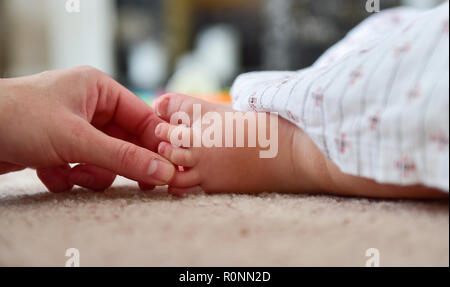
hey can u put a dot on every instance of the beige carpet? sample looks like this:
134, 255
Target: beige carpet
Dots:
126, 227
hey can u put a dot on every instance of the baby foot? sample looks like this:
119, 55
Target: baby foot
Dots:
227, 169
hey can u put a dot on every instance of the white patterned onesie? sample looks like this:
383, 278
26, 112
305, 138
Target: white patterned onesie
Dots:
377, 103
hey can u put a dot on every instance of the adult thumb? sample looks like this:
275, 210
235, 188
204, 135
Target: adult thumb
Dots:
124, 158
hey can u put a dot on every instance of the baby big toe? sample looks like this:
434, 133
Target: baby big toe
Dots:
169, 104
166, 106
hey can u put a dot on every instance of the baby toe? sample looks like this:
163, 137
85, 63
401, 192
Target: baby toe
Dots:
178, 156
162, 131
168, 105
186, 179
176, 135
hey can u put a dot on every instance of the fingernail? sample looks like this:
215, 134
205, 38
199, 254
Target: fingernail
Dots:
161, 171
161, 107
158, 130
82, 179
162, 148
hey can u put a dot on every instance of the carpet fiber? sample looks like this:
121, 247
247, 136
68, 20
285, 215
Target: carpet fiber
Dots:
126, 227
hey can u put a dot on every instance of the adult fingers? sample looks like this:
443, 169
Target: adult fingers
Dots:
116, 103
56, 179
122, 157
7, 167
146, 187
91, 177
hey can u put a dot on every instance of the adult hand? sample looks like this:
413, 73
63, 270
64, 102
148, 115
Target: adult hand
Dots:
78, 116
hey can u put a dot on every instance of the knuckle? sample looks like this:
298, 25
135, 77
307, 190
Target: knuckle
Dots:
150, 120
85, 69
88, 72
74, 140
46, 74
127, 155
78, 129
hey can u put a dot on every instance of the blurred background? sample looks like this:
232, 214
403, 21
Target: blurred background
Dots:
189, 46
